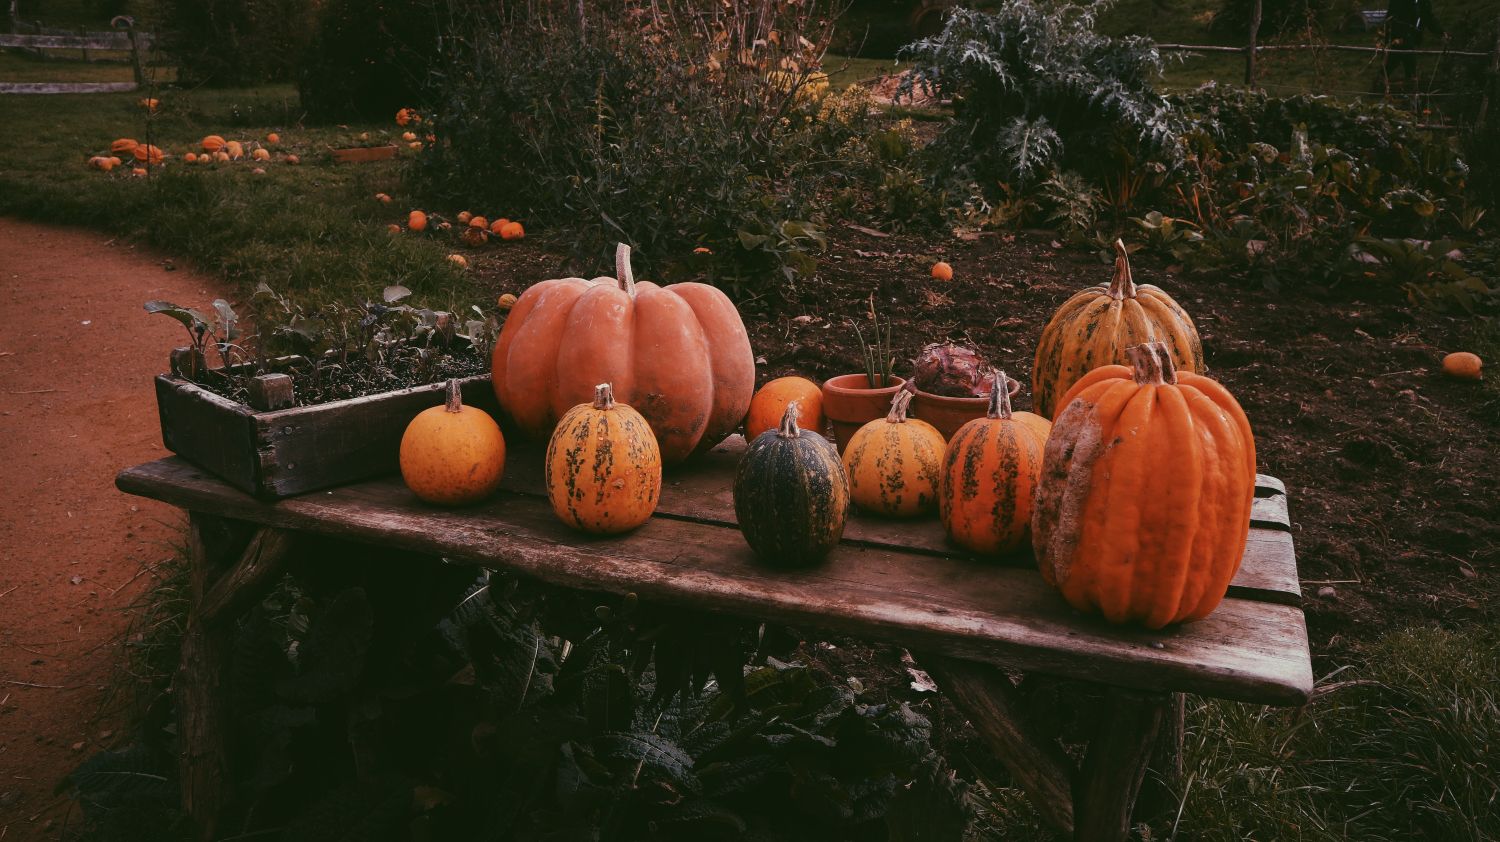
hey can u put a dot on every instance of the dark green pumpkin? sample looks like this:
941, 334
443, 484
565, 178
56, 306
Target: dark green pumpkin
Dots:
791, 494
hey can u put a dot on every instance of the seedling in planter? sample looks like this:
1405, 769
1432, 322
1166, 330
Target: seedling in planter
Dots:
877, 352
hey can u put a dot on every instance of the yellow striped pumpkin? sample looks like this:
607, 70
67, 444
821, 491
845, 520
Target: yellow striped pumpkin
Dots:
1095, 326
990, 472
603, 471
894, 463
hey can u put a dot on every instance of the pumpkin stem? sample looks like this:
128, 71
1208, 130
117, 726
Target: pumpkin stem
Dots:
1152, 363
899, 402
789, 428
623, 274
1123, 285
455, 401
604, 396
1001, 388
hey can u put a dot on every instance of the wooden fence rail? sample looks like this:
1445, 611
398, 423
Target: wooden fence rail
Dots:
122, 38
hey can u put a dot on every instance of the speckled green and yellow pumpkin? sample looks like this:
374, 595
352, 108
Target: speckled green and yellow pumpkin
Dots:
990, 472
791, 494
894, 463
603, 471
1095, 326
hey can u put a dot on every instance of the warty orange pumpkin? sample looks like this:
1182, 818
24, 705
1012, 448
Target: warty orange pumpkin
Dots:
1095, 326
452, 454
213, 143
123, 146
895, 463
1147, 483
679, 354
603, 471
990, 473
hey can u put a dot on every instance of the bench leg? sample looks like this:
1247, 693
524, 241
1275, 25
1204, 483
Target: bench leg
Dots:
1104, 796
1160, 790
1036, 763
216, 587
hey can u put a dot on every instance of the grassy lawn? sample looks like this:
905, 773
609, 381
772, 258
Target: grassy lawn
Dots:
312, 229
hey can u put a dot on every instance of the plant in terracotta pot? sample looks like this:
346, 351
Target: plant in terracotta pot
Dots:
852, 400
952, 386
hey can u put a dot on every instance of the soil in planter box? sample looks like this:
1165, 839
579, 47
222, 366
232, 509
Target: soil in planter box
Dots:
340, 379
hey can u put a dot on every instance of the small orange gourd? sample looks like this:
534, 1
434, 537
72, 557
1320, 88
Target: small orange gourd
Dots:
1463, 365
895, 463
213, 143
148, 154
942, 271
603, 469
261, 154
1148, 480
416, 221
123, 146
478, 222
768, 405
464, 217
273, 138
512, 231
452, 454
990, 472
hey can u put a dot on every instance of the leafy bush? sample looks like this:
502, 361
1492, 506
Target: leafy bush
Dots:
234, 42
1035, 87
367, 60
657, 125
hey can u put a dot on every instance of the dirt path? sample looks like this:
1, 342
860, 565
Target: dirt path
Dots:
77, 354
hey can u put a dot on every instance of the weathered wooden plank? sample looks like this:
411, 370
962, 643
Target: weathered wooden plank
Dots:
1267, 485
73, 41
1116, 765
214, 432
65, 87
1270, 512
1036, 762
702, 491
263, 558
1248, 650
364, 154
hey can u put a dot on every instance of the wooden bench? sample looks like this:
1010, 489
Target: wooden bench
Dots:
965, 619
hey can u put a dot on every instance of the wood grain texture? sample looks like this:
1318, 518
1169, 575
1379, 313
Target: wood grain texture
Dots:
1036, 762
364, 154
1116, 764
1248, 650
263, 558
701, 491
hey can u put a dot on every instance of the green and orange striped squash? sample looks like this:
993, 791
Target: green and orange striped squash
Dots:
894, 463
1096, 325
990, 472
1148, 479
791, 495
603, 469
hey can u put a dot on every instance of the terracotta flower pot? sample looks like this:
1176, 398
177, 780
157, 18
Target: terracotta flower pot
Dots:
948, 414
849, 403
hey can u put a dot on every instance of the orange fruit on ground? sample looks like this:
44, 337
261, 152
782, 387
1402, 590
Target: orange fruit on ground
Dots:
506, 301
273, 138
191, 157
213, 143
383, 198
393, 228
261, 154
942, 271
769, 404
478, 222
293, 159
1463, 365
459, 260
464, 217
512, 231
416, 221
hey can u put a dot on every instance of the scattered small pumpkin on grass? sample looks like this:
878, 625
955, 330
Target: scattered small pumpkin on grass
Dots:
512, 231
464, 217
123, 146
416, 221
273, 138
235, 149
1463, 365
190, 157
408, 136
383, 198
213, 143
603, 468
293, 159
393, 228
505, 302
477, 222
452, 454
459, 260
942, 271
475, 236
261, 154
147, 153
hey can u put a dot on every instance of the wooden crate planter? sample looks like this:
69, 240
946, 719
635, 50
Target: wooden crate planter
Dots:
364, 154
282, 452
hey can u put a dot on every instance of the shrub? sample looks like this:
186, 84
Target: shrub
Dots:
1035, 87
234, 42
655, 125
367, 60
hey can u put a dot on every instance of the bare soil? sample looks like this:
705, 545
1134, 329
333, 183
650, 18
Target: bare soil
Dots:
77, 354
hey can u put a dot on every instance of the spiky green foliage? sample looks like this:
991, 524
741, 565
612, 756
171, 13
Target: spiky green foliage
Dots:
1035, 85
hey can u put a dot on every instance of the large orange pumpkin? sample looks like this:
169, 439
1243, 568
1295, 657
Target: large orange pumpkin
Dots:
678, 354
769, 404
895, 463
1147, 482
990, 472
213, 143
1095, 326
603, 471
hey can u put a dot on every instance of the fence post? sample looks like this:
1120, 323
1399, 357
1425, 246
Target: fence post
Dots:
135, 58
1490, 84
1250, 49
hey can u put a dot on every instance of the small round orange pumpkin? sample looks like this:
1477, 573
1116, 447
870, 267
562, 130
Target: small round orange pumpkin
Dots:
452, 454
505, 302
1096, 325
512, 231
990, 472
148, 154
464, 217
235, 149
603, 470
123, 146
190, 158
273, 138
1463, 365
895, 463
416, 221
478, 222
475, 236
1148, 480
459, 260
293, 159
213, 143
261, 154
768, 405
942, 271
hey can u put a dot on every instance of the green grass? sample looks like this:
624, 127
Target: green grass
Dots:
313, 230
